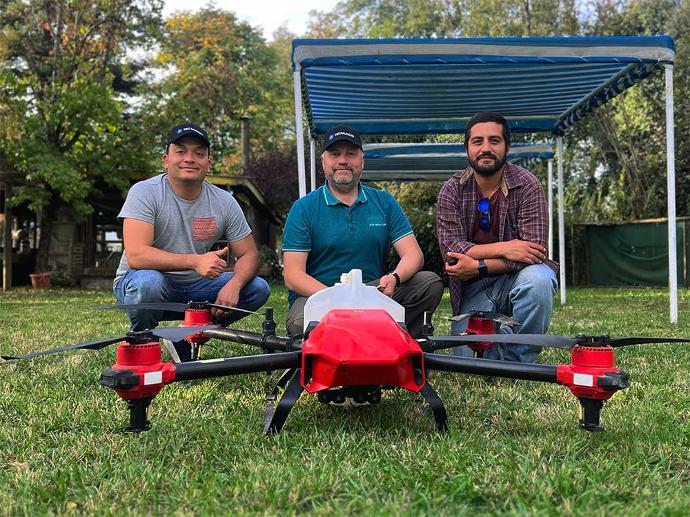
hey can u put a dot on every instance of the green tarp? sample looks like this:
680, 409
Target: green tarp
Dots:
634, 253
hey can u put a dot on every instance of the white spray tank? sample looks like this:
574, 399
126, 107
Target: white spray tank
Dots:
350, 293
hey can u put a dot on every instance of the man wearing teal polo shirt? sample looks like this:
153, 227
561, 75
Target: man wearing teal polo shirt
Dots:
345, 225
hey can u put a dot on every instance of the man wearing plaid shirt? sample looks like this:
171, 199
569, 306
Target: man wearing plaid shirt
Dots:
492, 231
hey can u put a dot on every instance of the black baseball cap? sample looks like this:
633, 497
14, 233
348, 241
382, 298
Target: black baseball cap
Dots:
341, 134
188, 129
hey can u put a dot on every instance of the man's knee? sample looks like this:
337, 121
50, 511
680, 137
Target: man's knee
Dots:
294, 323
430, 286
295, 326
258, 292
436, 286
536, 281
145, 286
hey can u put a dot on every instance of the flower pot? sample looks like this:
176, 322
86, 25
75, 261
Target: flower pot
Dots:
40, 280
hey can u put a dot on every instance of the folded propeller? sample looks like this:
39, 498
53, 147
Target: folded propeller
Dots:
133, 337
486, 315
550, 340
170, 306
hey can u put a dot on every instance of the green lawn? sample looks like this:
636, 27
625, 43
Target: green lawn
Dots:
513, 446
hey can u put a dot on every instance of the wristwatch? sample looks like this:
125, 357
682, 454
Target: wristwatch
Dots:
482, 269
397, 279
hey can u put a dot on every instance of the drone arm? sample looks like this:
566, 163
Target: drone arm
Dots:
511, 370
278, 343
236, 365
543, 340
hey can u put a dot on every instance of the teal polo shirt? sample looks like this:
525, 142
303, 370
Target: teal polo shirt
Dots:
339, 238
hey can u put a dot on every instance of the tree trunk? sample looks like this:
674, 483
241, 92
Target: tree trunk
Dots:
47, 217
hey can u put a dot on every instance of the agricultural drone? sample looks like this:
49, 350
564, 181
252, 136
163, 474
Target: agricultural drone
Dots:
354, 345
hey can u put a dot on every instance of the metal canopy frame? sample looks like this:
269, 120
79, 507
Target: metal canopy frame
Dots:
433, 161
431, 86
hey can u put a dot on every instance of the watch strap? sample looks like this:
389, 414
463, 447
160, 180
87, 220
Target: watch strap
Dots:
397, 279
482, 269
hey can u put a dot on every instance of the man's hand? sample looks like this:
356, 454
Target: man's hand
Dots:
387, 284
466, 268
211, 265
229, 296
524, 251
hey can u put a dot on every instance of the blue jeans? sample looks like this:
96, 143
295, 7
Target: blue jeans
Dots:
526, 296
145, 285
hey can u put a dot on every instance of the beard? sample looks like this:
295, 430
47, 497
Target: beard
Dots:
487, 171
343, 185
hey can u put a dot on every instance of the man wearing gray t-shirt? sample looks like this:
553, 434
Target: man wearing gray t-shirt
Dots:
170, 223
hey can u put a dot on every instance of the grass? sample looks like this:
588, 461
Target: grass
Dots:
513, 446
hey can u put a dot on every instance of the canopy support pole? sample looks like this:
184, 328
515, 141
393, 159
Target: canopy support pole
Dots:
299, 128
561, 220
549, 197
312, 162
671, 194
6, 238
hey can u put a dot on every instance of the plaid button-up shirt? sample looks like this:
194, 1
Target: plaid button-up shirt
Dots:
524, 216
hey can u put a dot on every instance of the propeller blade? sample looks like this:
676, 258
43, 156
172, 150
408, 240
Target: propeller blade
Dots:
626, 341
179, 333
543, 340
493, 316
462, 317
171, 333
90, 345
159, 306
226, 308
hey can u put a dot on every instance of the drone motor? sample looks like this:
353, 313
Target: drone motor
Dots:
137, 376
592, 377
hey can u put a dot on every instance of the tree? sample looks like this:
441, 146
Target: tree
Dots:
621, 173
63, 125
213, 69
445, 18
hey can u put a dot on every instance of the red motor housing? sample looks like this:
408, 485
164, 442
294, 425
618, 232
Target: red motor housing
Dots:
478, 326
592, 373
138, 371
197, 317
356, 347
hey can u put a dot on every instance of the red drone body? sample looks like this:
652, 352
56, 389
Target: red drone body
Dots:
355, 347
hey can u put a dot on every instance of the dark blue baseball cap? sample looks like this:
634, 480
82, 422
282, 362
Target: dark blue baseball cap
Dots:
341, 134
188, 129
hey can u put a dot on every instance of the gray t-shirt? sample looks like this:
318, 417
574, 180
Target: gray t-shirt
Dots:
182, 226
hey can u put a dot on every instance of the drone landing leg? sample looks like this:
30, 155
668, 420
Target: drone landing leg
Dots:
272, 394
138, 415
589, 414
437, 406
282, 381
275, 418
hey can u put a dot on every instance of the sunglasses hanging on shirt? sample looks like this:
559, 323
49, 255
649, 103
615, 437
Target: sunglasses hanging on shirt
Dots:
484, 214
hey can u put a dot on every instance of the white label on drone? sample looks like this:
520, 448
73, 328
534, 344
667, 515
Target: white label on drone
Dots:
581, 379
153, 378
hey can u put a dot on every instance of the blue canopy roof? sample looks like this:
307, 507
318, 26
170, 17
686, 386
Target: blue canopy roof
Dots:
419, 162
408, 86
